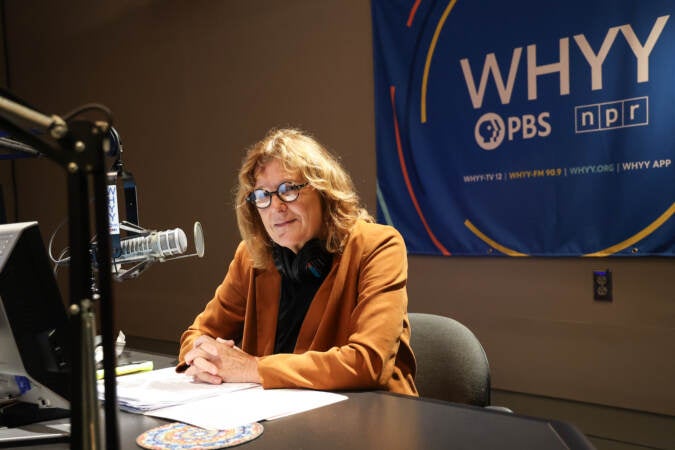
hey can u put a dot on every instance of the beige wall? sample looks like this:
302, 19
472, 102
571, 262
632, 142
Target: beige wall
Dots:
193, 83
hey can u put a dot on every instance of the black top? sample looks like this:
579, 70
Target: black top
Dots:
297, 293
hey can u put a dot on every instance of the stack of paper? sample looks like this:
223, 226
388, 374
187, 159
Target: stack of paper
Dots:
161, 388
170, 395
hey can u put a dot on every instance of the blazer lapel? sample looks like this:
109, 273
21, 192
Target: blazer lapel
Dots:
267, 291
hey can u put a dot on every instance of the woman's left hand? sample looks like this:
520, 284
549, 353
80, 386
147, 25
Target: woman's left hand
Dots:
218, 360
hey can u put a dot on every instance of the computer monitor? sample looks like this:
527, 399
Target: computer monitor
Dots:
34, 339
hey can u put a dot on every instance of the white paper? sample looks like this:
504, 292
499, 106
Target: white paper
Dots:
164, 387
228, 410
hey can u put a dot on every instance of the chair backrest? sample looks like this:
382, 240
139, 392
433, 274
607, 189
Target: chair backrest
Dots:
451, 362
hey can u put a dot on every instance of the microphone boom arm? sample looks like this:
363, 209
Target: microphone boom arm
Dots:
78, 147
56, 126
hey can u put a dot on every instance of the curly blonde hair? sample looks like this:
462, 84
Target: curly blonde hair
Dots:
299, 154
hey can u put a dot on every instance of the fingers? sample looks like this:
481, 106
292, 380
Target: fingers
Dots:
219, 360
201, 340
228, 342
203, 377
204, 358
204, 365
194, 354
207, 344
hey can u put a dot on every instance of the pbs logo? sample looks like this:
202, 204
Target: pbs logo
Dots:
491, 130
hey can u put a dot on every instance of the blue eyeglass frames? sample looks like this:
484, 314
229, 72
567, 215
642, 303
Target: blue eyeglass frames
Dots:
287, 192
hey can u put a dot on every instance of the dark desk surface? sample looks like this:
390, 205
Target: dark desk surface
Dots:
379, 420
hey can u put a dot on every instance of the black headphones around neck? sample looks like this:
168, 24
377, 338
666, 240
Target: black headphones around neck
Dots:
312, 261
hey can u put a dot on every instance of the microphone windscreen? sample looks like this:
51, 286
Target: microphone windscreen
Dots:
199, 239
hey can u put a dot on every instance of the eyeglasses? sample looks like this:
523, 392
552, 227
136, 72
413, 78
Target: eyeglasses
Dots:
287, 192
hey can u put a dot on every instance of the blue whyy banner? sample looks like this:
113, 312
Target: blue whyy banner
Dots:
526, 127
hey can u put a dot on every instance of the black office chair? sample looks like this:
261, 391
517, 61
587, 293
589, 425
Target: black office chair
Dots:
451, 362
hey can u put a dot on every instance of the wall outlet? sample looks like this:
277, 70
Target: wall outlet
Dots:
602, 285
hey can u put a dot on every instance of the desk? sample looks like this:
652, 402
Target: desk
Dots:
379, 420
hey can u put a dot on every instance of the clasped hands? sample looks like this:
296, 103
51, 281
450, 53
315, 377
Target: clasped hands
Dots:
218, 361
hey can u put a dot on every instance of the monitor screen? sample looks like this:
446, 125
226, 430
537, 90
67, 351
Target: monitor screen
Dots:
34, 341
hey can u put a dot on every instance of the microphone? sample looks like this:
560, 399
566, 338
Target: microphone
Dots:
155, 246
152, 246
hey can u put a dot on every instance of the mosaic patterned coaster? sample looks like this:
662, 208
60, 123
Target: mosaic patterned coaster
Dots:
182, 436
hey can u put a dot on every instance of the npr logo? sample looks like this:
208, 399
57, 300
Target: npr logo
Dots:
631, 112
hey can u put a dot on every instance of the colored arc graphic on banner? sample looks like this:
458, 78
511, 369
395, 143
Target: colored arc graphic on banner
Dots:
638, 236
492, 243
404, 169
430, 54
649, 229
413, 11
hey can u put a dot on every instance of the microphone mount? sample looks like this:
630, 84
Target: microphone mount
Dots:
77, 146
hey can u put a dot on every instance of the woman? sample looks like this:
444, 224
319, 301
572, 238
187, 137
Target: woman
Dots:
316, 293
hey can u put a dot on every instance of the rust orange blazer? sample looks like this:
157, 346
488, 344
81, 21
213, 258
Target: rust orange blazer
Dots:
356, 332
